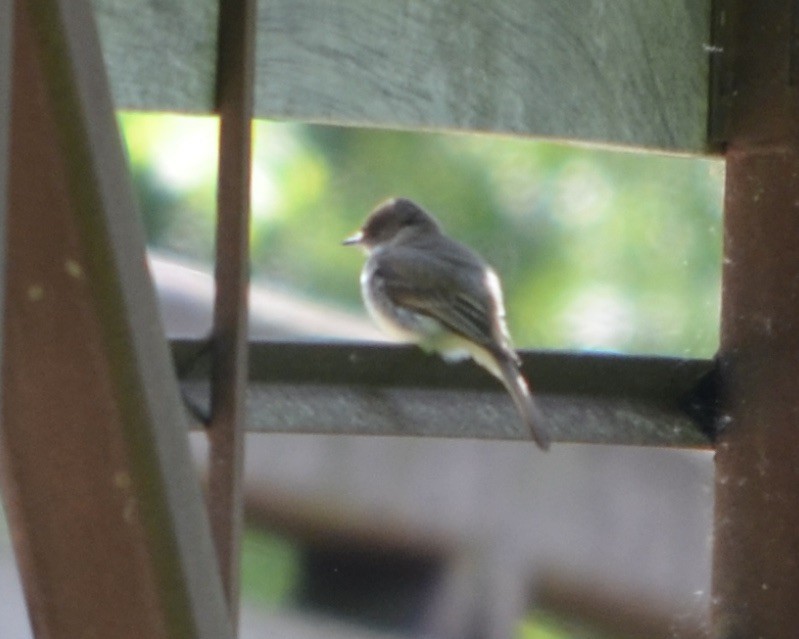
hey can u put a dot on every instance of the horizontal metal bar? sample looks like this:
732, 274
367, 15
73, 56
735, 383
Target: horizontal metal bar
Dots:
376, 389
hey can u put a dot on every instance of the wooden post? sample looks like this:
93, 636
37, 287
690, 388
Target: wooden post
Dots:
6, 20
104, 506
756, 552
235, 72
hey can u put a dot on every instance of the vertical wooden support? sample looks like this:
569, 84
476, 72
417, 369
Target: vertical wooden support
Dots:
756, 553
235, 72
6, 18
105, 510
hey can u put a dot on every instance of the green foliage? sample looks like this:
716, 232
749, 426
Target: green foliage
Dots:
597, 249
542, 625
270, 568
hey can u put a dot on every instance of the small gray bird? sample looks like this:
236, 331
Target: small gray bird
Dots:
422, 286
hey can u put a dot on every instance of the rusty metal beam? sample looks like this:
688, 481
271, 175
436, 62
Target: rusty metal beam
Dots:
756, 540
235, 73
340, 388
105, 510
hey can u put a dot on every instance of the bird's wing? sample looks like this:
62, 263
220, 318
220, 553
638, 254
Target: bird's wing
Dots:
449, 290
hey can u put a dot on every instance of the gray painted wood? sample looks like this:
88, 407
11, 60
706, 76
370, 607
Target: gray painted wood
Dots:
160, 54
629, 72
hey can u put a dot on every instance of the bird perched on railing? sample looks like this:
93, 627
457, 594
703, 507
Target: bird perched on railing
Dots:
422, 286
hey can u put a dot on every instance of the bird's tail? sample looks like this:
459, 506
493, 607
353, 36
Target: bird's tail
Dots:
514, 381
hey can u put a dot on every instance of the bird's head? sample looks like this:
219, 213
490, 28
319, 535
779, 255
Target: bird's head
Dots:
393, 219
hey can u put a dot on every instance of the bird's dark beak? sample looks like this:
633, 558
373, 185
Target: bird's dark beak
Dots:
354, 239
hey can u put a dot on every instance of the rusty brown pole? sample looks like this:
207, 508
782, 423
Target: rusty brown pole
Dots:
756, 552
235, 74
105, 509
6, 18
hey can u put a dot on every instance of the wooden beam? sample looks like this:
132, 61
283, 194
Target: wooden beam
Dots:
6, 20
232, 275
607, 609
376, 389
629, 72
103, 502
160, 55
756, 533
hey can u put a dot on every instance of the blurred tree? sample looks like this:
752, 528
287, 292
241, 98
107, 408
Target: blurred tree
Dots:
597, 249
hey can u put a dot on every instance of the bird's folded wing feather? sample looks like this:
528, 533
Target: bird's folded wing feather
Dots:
450, 292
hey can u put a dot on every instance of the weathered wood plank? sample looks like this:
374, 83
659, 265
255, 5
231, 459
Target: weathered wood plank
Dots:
160, 54
626, 72
629, 72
